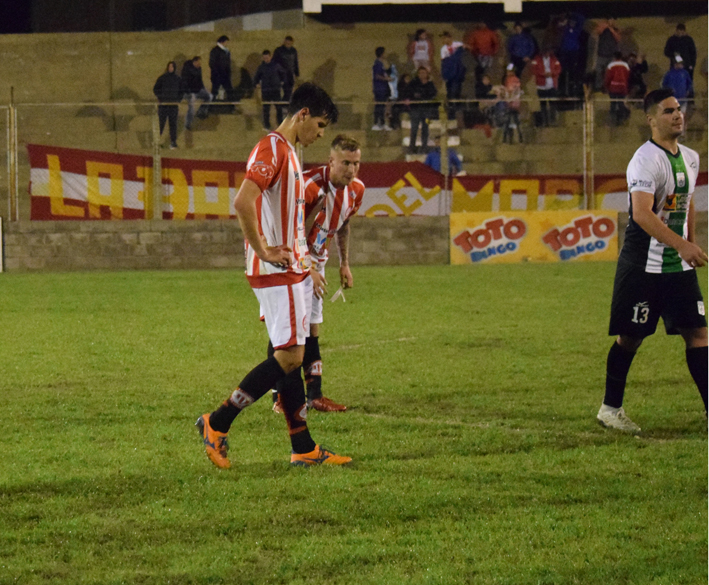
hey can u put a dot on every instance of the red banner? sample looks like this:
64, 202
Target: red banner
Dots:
67, 183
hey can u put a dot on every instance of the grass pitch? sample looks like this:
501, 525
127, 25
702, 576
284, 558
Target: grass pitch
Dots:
472, 391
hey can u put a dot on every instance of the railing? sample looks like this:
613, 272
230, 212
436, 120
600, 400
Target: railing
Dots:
475, 128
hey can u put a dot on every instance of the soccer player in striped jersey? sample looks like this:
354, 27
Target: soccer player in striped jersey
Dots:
333, 194
656, 273
270, 206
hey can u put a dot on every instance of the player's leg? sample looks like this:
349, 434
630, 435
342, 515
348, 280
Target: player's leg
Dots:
696, 353
685, 315
635, 312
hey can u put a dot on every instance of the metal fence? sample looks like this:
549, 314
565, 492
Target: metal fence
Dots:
580, 139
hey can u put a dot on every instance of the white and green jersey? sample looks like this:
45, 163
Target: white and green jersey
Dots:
671, 178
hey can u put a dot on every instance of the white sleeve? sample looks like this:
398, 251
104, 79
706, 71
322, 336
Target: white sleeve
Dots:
642, 174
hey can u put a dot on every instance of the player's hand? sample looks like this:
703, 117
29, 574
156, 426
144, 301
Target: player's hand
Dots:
319, 283
346, 280
277, 255
692, 254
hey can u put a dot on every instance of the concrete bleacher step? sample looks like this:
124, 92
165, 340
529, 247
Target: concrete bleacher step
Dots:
432, 125
452, 141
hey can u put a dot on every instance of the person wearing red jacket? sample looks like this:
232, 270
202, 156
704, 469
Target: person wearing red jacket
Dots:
616, 84
546, 70
484, 44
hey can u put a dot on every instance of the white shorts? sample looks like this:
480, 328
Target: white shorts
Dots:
316, 311
286, 311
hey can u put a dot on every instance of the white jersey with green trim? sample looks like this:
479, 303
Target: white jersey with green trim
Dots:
671, 179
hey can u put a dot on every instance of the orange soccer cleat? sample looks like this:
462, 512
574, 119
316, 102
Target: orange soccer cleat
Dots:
215, 443
318, 456
324, 404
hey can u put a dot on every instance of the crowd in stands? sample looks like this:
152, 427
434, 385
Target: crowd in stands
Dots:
555, 59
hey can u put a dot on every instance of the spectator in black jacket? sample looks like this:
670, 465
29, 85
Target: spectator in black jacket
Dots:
637, 87
192, 78
169, 90
421, 90
287, 56
683, 45
220, 65
271, 77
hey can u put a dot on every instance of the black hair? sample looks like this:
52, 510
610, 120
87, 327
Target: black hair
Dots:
316, 99
222, 38
288, 38
655, 97
418, 34
196, 58
681, 26
379, 51
266, 52
618, 55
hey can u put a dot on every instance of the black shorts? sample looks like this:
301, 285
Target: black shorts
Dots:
640, 298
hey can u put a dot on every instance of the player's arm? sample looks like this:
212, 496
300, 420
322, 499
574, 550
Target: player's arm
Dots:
644, 216
343, 249
245, 205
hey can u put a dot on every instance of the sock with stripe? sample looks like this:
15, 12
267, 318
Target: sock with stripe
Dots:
292, 394
256, 383
617, 367
312, 368
697, 363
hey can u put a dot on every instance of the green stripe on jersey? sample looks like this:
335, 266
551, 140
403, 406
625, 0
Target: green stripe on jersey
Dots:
676, 220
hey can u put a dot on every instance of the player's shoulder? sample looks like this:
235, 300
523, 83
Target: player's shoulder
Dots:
357, 186
689, 154
649, 154
315, 176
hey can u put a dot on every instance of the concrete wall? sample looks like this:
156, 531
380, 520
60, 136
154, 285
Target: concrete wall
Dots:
46, 246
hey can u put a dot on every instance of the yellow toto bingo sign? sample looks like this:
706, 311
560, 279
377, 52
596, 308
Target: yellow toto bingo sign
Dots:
533, 236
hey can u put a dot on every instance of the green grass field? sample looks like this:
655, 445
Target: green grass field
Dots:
472, 391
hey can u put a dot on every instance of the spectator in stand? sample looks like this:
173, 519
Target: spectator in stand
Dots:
636, 84
422, 90
679, 81
220, 68
512, 96
380, 87
616, 84
403, 100
683, 45
169, 90
420, 50
270, 76
484, 44
608, 44
192, 78
546, 69
433, 159
452, 69
572, 71
287, 56
520, 48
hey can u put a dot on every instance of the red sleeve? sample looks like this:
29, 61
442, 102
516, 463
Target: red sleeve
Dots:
359, 196
265, 162
312, 193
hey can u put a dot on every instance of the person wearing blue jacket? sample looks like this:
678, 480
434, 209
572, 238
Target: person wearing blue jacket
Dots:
569, 54
520, 48
679, 80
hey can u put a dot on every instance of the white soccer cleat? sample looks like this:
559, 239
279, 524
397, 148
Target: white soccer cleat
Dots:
615, 418
377, 128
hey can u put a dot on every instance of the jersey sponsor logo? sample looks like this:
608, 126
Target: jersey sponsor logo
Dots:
640, 183
700, 307
670, 203
681, 180
241, 399
263, 169
586, 235
494, 238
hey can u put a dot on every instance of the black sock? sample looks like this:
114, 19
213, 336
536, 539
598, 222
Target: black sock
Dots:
617, 367
256, 383
292, 394
312, 368
269, 352
697, 362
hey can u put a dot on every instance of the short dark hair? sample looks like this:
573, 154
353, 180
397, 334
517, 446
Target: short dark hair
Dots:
196, 58
266, 52
379, 51
222, 38
681, 26
316, 99
618, 55
345, 142
655, 97
288, 38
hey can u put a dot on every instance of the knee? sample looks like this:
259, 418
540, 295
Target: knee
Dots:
629, 343
695, 337
289, 360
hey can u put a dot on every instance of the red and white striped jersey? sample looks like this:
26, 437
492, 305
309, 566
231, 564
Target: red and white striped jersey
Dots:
273, 165
333, 207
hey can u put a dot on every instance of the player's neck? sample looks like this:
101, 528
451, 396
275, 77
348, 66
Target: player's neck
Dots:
288, 129
669, 144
